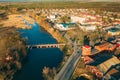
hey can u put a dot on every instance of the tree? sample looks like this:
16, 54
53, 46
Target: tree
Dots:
65, 19
48, 73
45, 72
13, 47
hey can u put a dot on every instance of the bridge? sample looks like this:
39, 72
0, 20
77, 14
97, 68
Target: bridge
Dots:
45, 45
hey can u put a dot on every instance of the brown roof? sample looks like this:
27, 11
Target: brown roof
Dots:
113, 71
106, 44
109, 67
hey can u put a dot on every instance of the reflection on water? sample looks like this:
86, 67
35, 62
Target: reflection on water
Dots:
38, 58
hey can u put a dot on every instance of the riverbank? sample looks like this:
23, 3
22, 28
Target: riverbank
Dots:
54, 32
38, 58
12, 53
17, 21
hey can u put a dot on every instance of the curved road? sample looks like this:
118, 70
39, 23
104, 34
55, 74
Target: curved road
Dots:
67, 70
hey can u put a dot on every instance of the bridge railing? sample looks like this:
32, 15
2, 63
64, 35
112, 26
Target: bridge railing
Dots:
45, 45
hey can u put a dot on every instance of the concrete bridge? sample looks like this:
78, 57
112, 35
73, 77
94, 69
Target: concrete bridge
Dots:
45, 46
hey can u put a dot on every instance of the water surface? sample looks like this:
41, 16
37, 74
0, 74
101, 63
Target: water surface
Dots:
38, 58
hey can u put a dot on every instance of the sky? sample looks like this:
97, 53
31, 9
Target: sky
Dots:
61, 0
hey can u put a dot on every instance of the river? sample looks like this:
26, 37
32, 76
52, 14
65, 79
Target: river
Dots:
36, 59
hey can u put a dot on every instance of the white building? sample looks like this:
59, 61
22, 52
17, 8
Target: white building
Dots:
64, 26
88, 27
117, 26
77, 19
51, 17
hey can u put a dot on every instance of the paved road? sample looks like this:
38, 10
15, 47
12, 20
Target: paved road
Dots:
67, 70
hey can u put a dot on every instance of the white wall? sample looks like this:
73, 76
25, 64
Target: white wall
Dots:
77, 19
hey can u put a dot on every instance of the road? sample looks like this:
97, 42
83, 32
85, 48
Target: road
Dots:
67, 70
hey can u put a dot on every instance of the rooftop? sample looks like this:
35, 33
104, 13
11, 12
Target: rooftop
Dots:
100, 57
108, 64
110, 67
68, 24
86, 46
113, 30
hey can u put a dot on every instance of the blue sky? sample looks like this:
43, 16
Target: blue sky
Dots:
59, 0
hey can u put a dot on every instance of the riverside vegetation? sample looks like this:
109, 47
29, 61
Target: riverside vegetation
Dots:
12, 50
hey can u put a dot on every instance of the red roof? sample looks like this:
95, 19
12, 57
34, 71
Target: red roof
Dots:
87, 46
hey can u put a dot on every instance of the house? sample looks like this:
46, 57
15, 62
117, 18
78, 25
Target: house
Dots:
118, 42
88, 60
86, 50
64, 26
88, 27
117, 26
93, 22
51, 17
77, 19
105, 46
114, 31
107, 27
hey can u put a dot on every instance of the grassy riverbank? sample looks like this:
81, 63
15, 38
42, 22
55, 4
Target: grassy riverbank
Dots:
17, 21
12, 52
41, 20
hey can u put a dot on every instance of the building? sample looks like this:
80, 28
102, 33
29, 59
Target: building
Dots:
86, 50
64, 26
93, 22
105, 46
110, 68
95, 71
88, 60
118, 41
114, 31
78, 19
117, 26
88, 27
104, 65
51, 17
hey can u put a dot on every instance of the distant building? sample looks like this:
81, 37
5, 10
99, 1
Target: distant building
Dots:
114, 31
51, 17
118, 42
107, 27
105, 46
64, 26
93, 22
88, 27
78, 19
117, 26
86, 50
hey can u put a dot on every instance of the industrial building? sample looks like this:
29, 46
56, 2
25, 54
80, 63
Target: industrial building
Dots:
101, 62
103, 65
105, 46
